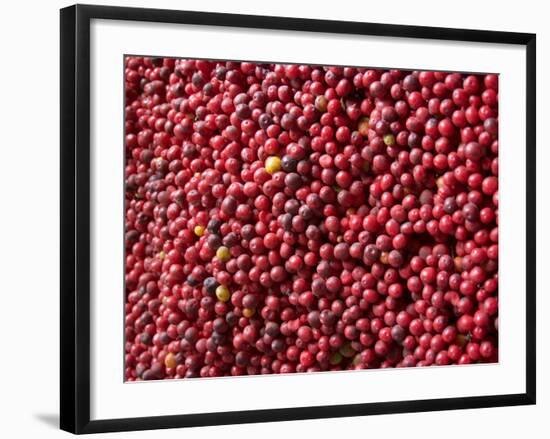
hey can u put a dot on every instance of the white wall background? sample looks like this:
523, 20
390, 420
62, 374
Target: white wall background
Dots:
29, 206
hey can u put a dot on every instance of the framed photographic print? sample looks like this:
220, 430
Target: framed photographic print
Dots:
260, 212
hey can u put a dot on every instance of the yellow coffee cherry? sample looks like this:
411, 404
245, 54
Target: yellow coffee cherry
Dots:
199, 230
321, 103
389, 139
272, 164
248, 312
222, 293
170, 360
223, 254
363, 126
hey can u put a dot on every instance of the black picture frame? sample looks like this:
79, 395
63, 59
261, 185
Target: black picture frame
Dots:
75, 217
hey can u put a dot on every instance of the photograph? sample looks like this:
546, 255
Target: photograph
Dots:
284, 218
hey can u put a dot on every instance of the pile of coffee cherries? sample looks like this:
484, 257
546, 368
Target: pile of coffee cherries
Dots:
289, 218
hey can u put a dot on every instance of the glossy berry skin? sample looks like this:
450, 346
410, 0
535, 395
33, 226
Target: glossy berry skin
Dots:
297, 218
222, 293
272, 164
